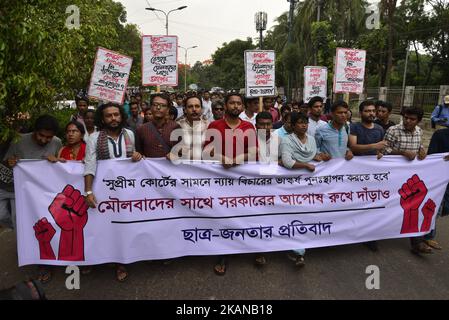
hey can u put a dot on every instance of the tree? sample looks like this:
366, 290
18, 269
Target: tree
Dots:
41, 59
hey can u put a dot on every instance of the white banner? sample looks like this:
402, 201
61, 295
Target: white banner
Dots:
260, 73
160, 61
154, 209
110, 76
349, 72
315, 83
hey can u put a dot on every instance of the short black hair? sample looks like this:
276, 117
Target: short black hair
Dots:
191, 96
264, 115
366, 103
232, 94
298, 116
78, 125
81, 98
217, 103
384, 104
285, 107
250, 99
162, 95
419, 112
46, 122
339, 103
173, 112
99, 114
313, 100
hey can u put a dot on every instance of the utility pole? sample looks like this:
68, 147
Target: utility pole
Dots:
290, 41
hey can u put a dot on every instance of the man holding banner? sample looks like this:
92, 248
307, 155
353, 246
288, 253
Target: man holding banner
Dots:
406, 139
112, 141
237, 144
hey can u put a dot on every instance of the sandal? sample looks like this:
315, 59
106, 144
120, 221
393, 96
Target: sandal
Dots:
433, 244
120, 273
220, 266
297, 258
421, 248
45, 275
260, 261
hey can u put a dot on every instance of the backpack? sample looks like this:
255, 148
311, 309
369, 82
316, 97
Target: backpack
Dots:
433, 124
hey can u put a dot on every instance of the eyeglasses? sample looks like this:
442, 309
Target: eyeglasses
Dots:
159, 105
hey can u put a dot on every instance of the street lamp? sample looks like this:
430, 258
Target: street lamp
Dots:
166, 14
185, 65
261, 25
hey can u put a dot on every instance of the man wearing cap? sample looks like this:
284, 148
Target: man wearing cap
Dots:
440, 114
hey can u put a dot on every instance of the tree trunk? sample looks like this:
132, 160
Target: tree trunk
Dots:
391, 7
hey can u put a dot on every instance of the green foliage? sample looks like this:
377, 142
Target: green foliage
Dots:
41, 59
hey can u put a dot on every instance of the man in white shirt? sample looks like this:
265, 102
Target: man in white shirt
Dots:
207, 106
251, 108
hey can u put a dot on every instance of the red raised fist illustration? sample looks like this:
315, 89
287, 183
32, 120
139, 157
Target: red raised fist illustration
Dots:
44, 232
412, 194
428, 211
69, 209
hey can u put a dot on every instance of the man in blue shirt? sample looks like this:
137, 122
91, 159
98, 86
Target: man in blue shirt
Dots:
333, 137
440, 114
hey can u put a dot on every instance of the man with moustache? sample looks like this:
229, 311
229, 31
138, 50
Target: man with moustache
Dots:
251, 109
193, 124
112, 141
367, 138
232, 127
153, 137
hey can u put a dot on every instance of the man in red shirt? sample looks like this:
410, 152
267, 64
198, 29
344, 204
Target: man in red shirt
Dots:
231, 137
234, 141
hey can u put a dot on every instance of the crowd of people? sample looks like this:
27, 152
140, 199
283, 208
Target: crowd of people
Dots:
294, 135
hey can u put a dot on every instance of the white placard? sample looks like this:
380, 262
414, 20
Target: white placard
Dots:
160, 61
260, 73
110, 76
349, 70
315, 82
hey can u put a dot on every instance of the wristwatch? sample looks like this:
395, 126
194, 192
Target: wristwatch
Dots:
88, 193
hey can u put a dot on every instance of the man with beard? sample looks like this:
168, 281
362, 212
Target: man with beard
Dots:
366, 139
153, 137
233, 131
193, 124
383, 112
112, 141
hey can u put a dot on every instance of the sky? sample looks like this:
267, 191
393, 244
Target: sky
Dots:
204, 23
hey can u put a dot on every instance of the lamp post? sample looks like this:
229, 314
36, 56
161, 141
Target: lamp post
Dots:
166, 15
261, 25
185, 65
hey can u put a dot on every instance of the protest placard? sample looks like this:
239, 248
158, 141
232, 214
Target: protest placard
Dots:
349, 70
315, 82
159, 60
260, 73
110, 76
